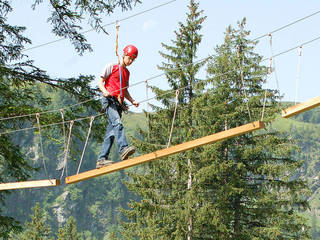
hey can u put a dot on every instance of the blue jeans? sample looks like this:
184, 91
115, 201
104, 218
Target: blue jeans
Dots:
115, 129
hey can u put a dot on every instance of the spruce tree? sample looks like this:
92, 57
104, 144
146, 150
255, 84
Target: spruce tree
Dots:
247, 190
37, 228
241, 188
69, 231
167, 207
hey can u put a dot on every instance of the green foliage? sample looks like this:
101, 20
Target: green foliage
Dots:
304, 131
24, 90
69, 231
256, 198
8, 227
67, 16
241, 188
99, 199
309, 116
249, 187
166, 208
36, 229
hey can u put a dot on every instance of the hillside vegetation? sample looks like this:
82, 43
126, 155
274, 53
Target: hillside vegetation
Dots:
95, 203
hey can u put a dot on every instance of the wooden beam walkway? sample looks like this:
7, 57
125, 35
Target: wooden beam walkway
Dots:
166, 152
302, 107
30, 184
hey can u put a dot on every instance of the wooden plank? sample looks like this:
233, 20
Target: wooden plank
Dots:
166, 152
30, 184
301, 107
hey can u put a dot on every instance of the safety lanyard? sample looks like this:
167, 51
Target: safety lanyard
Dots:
120, 81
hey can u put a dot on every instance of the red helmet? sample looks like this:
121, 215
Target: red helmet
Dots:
131, 51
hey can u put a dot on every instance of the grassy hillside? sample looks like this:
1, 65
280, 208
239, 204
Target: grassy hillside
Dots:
134, 121
304, 129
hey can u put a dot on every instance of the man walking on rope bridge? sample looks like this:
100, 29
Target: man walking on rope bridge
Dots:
114, 83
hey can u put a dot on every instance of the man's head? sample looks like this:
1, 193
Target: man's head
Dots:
130, 53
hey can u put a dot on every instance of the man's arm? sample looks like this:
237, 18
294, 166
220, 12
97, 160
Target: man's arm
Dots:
102, 88
103, 78
130, 99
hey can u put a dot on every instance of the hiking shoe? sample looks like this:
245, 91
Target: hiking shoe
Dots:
102, 162
126, 152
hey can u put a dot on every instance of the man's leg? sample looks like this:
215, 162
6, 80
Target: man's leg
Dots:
119, 132
108, 140
114, 119
107, 143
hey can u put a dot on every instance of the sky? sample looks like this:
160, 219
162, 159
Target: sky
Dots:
148, 30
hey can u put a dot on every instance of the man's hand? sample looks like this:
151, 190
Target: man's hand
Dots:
105, 93
135, 103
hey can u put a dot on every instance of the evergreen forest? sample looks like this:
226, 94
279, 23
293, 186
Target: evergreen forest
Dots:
261, 185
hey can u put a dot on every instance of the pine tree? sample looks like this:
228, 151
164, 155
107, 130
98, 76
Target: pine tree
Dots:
37, 228
69, 231
247, 191
167, 207
9, 227
241, 188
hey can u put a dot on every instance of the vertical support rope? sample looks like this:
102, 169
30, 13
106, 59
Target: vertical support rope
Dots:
119, 62
64, 138
120, 77
265, 92
274, 66
63, 128
41, 145
85, 144
298, 73
117, 37
174, 116
242, 82
67, 150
